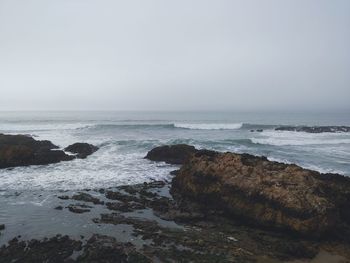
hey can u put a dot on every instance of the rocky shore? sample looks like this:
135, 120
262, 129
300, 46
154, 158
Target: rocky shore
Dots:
219, 207
266, 193
23, 150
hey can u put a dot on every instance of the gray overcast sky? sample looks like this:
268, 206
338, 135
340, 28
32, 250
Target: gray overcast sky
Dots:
174, 55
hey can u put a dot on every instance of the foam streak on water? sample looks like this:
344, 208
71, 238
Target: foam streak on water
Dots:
209, 126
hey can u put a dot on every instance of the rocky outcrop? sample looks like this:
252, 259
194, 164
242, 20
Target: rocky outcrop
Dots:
98, 248
23, 150
172, 154
314, 129
82, 150
267, 193
158, 228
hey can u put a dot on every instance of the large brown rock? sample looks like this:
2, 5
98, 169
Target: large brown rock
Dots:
266, 193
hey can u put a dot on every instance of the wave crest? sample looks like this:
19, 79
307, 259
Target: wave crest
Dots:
209, 126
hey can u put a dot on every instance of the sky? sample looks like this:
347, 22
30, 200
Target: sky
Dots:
246, 55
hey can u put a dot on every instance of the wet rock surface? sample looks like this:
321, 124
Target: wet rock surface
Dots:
86, 198
101, 248
78, 208
23, 150
314, 129
56, 249
169, 230
82, 150
172, 154
98, 248
266, 193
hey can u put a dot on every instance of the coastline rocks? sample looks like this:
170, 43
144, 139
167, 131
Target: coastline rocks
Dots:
79, 208
100, 248
82, 150
86, 198
55, 249
22, 150
173, 154
266, 193
314, 129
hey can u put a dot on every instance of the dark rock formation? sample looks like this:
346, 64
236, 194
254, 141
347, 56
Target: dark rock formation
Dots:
82, 150
86, 198
56, 249
101, 248
267, 193
2, 226
21, 150
98, 248
173, 154
79, 208
314, 129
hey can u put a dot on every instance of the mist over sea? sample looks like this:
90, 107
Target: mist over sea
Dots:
125, 137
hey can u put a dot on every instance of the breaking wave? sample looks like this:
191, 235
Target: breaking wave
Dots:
288, 138
209, 126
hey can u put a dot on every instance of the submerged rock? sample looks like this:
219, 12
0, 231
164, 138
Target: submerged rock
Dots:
314, 129
173, 154
86, 198
79, 208
82, 150
262, 192
22, 150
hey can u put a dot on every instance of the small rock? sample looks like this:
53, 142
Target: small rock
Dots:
82, 150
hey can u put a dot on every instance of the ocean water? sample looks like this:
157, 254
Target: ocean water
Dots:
125, 137
28, 195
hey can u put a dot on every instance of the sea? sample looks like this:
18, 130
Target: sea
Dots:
28, 194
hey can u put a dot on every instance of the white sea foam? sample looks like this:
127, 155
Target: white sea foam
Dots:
209, 126
285, 138
106, 167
